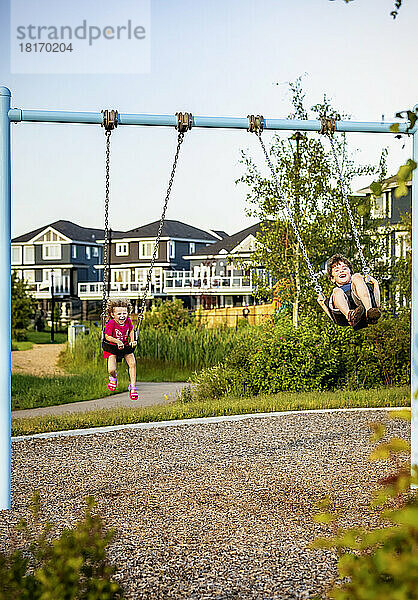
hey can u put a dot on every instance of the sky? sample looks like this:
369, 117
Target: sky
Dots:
218, 58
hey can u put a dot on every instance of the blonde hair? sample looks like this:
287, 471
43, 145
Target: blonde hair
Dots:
117, 303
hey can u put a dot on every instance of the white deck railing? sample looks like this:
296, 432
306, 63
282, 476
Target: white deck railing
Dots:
174, 282
43, 289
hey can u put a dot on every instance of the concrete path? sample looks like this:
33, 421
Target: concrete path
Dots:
149, 394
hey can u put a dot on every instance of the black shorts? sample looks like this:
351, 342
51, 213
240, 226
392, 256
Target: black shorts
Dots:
339, 318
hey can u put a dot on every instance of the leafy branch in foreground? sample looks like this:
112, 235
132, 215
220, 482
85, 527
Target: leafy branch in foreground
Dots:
73, 566
382, 563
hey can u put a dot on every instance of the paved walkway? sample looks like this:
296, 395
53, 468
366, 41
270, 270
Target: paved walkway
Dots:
149, 394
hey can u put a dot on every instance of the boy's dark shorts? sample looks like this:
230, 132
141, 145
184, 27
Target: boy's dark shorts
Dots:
339, 318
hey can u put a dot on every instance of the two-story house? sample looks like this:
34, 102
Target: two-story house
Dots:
386, 217
53, 259
130, 259
214, 279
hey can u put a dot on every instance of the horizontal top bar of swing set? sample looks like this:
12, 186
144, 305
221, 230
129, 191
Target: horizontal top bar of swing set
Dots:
43, 116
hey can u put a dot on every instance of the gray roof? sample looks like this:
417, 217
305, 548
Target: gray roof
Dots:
173, 229
71, 230
231, 241
221, 233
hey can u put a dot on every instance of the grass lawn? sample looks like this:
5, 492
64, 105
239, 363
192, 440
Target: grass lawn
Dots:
226, 406
21, 345
29, 391
44, 337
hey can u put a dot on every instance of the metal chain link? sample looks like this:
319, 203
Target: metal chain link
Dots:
106, 232
283, 196
160, 229
366, 269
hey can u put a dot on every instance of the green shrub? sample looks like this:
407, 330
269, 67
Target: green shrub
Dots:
317, 355
382, 563
169, 314
20, 335
22, 305
73, 566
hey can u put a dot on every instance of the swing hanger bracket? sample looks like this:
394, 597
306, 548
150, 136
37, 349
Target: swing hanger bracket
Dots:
110, 119
184, 121
327, 126
255, 123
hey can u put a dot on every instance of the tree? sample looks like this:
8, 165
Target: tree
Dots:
170, 314
22, 305
306, 174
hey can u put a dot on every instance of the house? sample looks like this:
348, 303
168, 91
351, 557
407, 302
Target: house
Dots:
213, 279
53, 259
130, 259
386, 215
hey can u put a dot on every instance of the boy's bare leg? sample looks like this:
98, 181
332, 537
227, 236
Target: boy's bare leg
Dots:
361, 290
339, 301
130, 360
111, 365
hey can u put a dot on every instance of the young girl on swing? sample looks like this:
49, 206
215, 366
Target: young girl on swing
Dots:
354, 301
120, 332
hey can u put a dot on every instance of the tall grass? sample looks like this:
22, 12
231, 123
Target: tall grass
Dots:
188, 347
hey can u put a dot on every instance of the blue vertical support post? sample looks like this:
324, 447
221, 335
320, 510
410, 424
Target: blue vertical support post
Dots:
414, 316
5, 201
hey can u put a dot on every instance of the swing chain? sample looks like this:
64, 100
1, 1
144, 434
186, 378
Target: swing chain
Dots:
180, 138
366, 269
285, 200
106, 231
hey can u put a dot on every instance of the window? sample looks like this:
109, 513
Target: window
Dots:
145, 249
88, 252
16, 255
29, 276
51, 251
171, 249
122, 249
28, 255
192, 248
73, 251
95, 251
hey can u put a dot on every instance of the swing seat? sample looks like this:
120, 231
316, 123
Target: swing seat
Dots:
340, 320
118, 352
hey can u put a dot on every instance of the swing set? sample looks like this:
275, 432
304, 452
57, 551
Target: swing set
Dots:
183, 122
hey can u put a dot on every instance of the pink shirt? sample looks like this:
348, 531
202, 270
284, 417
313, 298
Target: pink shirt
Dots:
120, 332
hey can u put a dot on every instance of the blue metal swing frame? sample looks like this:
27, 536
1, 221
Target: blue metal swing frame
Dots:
14, 115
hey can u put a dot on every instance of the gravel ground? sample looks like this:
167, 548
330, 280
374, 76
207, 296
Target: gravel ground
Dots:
210, 511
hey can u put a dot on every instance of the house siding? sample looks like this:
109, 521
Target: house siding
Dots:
400, 206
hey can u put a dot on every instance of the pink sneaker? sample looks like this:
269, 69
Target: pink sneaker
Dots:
113, 382
133, 393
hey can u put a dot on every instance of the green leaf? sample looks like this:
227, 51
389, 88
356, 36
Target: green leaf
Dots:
324, 518
394, 128
376, 188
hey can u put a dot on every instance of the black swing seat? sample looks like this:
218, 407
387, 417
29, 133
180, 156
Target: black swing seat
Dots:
339, 318
118, 352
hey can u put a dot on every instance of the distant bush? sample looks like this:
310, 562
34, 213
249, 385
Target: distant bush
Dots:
71, 567
167, 314
316, 356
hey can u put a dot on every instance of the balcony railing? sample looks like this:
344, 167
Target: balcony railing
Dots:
118, 289
183, 281
43, 289
175, 282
